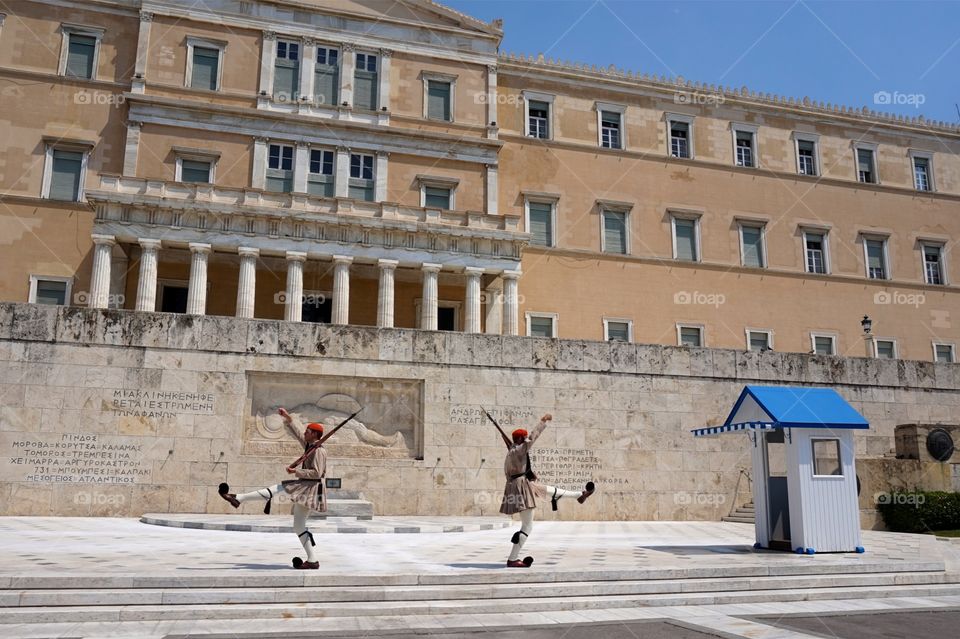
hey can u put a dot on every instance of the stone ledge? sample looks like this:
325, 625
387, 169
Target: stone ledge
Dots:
73, 325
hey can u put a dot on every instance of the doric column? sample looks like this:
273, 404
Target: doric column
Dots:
348, 65
293, 307
341, 289
491, 94
383, 91
492, 208
472, 311
428, 305
308, 65
268, 57
380, 177
511, 306
147, 282
341, 177
119, 265
197, 292
247, 285
100, 278
493, 295
131, 148
301, 163
143, 49
385, 294
260, 148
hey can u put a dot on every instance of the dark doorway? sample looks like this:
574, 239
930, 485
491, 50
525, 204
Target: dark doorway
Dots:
173, 299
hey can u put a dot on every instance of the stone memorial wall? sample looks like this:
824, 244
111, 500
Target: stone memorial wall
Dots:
121, 413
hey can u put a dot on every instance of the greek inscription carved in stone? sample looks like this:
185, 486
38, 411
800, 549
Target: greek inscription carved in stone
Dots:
73, 458
129, 402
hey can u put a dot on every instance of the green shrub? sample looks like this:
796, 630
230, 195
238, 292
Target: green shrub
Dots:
920, 511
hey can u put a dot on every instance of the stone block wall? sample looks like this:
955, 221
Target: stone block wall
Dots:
622, 413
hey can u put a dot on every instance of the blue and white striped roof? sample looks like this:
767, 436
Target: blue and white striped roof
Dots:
769, 407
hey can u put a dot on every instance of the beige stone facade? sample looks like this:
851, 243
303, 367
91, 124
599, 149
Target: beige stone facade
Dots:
570, 179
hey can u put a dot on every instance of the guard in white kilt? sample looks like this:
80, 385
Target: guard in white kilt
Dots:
522, 487
306, 491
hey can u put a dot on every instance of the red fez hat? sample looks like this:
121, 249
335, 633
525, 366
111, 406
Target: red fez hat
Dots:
520, 433
315, 426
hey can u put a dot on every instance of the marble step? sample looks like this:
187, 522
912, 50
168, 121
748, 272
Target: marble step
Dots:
181, 596
372, 609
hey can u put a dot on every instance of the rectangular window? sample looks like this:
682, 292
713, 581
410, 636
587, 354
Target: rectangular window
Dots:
436, 197
826, 457
81, 55
680, 139
614, 232
195, 171
933, 264
541, 325
685, 240
438, 100
759, 340
361, 177
824, 345
205, 70
65, 176
286, 78
943, 353
807, 157
610, 137
690, 336
815, 248
320, 179
885, 348
539, 119
326, 81
48, 291
921, 173
876, 259
744, 148
540, 223
616, 330
280, 168
751, 238
365, 80
866, 168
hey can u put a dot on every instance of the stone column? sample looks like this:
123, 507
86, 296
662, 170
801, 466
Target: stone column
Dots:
493, 295
260, 155
143, 49
131, 148
308, 65
341, 177
293, 307
341, 289
472, 311
380, 177
348, 65
301, 164
197, 291
511, 306
385, 295
100, 278
247, 285
492, 208
268, 57
428, 305
383, 91
119, 265
147, 282
491, 94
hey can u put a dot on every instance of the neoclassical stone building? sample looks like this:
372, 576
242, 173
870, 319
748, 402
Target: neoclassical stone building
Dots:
383, 164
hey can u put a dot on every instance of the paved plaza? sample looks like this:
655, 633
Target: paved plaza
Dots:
98, 577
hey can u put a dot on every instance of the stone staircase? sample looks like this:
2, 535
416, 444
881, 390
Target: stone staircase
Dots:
745, 514
126, 605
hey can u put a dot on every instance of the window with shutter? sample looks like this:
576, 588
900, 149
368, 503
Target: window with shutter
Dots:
438, 100
320, 180
759, 340
685, 236
691, 336
539, 121
618, 331
932, 264
206, 64
886, 349
327, 76
436, 197
195, 171
67, 169
680, 139
286, 74
823, 345
752, 237
944, 353
541, 326
81, 52
365, 80
806, 157
280, 168
876, 262
361, 184
541, 223
614, 232
866, 171
53, 292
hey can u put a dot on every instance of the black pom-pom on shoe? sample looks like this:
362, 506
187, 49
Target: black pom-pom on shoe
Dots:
587, 491
224, 488
297, 562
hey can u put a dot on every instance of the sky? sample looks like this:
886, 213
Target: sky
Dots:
895, 57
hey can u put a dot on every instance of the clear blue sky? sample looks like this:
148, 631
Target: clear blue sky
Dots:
838, 52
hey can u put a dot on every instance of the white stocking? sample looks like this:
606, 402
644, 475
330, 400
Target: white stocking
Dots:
263, 493
300, 527
526, 527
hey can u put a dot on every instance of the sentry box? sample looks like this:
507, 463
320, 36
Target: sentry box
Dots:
804, 477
